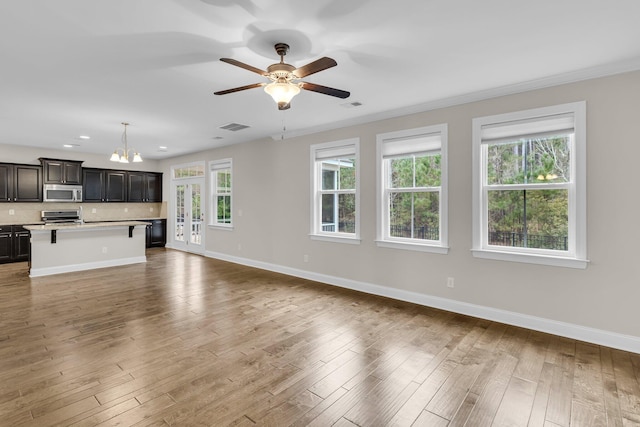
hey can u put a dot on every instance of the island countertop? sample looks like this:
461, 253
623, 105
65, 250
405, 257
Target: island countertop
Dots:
84, 225
66, 247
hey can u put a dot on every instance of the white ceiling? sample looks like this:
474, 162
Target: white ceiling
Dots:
79, 67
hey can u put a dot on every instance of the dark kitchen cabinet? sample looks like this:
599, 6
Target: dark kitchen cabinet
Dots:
93, 185
20, 183
21, 243
14, 243
144, 187
6, 243
157, 233
28, 183
115, 186
104, 185
6, 182
61, 171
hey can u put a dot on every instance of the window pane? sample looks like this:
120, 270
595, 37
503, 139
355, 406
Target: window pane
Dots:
400, 218
529, 218
415, 215
529, 161
347, 213
428, 171
180, 201
329, 212
339, 213
224, 209
426, 213
401, 171
347, 174
329, 171
223, 181
189, 171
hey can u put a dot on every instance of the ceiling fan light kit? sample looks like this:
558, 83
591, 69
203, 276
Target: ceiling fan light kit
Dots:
284, 85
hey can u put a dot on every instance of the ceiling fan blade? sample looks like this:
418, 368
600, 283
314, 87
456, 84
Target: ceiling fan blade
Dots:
238, 89
245, 66
325, 90
314, 67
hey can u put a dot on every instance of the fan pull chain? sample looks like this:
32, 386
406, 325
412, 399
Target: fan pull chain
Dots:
284, 129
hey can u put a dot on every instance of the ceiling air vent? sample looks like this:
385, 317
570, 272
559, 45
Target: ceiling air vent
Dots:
234, 127
352, 104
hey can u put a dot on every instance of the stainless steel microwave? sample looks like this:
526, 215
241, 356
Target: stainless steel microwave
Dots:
62, 193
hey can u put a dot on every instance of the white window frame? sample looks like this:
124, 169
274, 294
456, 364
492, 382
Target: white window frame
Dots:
576, 256
347, 145
214, 167
408, 142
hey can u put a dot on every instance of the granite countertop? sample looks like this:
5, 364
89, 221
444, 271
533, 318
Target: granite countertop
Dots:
83, 226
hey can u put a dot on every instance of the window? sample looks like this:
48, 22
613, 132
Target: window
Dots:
221, 193
335, 182
412, 190
188, 171
529, 186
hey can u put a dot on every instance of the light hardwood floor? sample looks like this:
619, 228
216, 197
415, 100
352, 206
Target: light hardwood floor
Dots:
185, 340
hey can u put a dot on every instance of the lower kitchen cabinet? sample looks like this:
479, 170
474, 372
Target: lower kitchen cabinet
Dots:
156, 233
14, 243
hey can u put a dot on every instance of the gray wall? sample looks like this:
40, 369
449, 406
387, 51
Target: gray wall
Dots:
271, 187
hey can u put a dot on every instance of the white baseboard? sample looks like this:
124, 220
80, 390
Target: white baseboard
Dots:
568, 330
46, 271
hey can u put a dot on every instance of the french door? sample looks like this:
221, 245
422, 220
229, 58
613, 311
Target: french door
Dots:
188, 216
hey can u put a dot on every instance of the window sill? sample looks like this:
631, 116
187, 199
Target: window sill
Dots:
555, 261
413, 247
335, 239
221, 227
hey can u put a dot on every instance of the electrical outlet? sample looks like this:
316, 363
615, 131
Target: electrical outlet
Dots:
126, 209
12, 212
239, 247
306, 258
151, 209
239, 212
94, 210
104, 250
450, 283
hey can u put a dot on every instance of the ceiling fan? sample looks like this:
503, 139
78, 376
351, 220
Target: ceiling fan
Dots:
284, 78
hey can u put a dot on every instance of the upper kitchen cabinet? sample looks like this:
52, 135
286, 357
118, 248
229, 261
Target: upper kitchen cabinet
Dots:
61, 171
93, 185
20, 183
144, 187
115, 186
104, 185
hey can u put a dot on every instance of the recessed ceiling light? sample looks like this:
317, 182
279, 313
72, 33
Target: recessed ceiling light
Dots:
162, 148
70, 145
84, 137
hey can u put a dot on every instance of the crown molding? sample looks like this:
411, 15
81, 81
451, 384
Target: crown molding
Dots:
606, 70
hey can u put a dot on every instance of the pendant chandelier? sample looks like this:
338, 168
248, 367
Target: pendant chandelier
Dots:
124, 157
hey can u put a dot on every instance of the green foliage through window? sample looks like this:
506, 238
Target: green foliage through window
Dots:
414, 196
532, 216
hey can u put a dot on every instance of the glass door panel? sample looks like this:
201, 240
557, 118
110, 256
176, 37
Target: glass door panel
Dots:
179, 223
196, 214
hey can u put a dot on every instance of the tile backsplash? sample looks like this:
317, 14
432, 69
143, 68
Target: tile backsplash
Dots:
29, 213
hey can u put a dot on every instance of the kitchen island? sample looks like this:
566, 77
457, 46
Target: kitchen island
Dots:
62, 248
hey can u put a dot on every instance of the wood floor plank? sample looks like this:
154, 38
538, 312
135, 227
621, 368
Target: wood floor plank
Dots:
187, 340
517, 402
